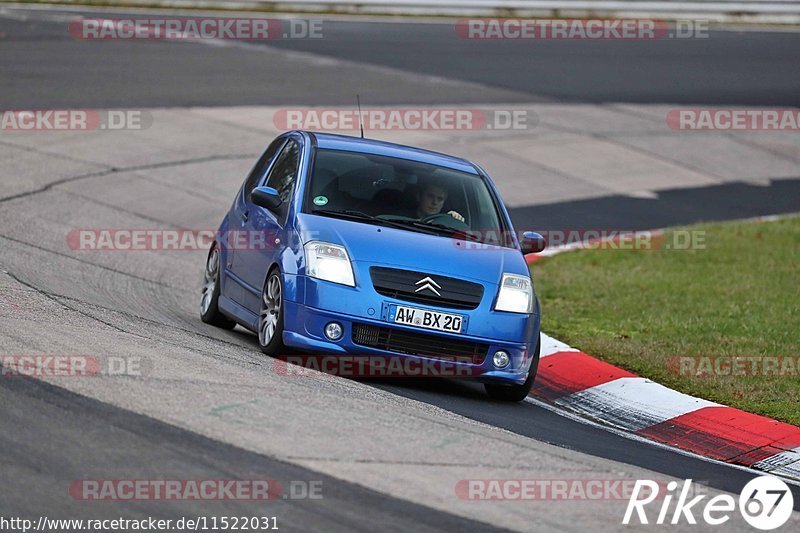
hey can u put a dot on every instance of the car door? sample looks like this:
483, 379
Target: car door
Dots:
254, 179
262, 230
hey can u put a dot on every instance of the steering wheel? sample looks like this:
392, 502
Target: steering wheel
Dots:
445, 220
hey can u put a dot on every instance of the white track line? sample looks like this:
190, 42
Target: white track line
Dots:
632, 403
550, 346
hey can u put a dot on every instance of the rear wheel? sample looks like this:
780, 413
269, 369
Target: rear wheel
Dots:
209, 311
516, 393
270, 319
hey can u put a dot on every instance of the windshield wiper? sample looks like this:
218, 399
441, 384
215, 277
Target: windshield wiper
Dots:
433, 225
361, 216
427, 227
449, 230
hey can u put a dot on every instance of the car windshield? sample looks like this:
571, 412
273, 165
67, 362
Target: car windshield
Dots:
403, 193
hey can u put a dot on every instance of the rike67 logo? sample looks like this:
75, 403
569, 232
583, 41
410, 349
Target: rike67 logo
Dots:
765, 503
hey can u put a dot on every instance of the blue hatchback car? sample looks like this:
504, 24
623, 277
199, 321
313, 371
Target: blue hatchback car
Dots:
345, 245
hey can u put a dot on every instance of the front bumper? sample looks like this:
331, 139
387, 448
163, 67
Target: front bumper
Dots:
324, 302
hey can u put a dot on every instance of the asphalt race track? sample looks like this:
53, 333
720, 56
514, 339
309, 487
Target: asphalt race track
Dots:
208, 405
727, 68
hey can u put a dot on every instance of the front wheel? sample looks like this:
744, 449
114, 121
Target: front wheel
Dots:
209, 310
516, 393
270, 319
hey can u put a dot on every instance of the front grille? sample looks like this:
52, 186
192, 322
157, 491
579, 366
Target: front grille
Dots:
402, 284
424, 344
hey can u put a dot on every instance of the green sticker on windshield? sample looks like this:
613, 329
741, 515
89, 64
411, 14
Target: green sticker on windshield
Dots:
320, 200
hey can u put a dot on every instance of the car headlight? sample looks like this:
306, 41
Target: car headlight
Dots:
329, 262
516, 294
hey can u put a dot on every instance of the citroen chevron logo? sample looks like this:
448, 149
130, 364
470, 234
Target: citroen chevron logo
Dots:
429, 284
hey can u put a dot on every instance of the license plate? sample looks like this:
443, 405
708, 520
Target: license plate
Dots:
423, 318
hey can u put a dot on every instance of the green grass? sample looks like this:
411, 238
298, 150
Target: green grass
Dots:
739, 296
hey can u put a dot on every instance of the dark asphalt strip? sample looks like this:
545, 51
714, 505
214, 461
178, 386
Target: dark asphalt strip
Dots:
673, 207
51, 437
44, 66
721, 68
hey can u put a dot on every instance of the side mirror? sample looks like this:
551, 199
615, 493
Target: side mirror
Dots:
266, 197
532, 243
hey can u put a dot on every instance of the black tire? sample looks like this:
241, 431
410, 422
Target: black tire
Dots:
271, 312
209, 310
516, 393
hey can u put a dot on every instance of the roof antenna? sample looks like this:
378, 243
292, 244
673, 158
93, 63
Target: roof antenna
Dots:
360, 118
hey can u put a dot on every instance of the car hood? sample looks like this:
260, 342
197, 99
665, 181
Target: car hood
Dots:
412, 250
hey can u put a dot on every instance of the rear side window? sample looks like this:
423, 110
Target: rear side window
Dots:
284, 174
260, 170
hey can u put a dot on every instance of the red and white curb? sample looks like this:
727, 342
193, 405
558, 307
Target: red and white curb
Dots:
580, 383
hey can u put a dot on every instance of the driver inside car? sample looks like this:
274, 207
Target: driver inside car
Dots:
431, 199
